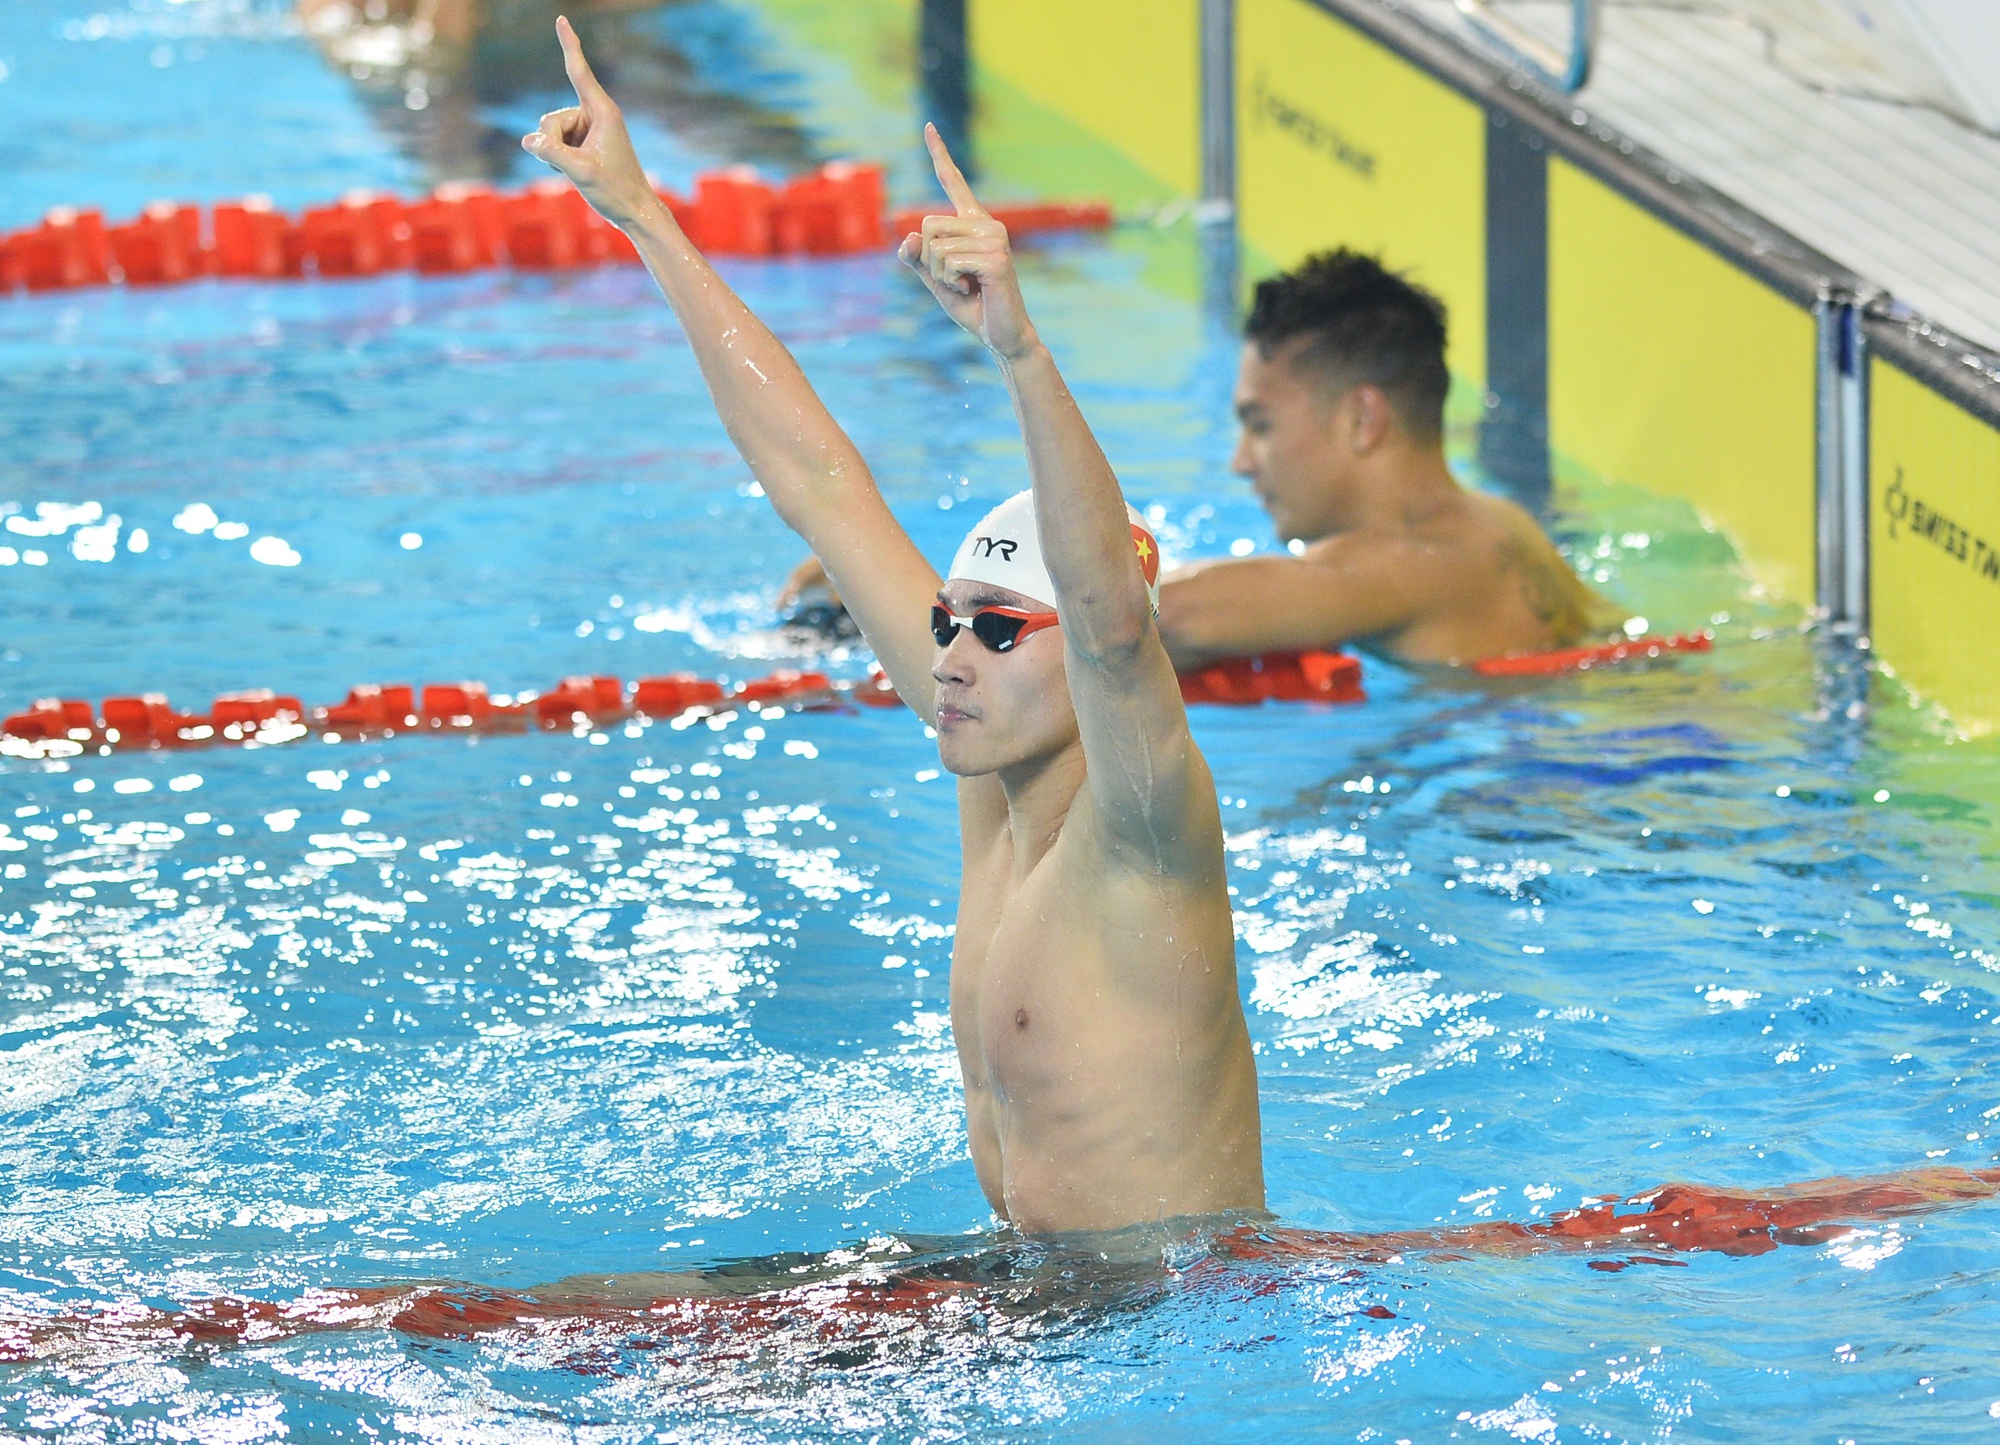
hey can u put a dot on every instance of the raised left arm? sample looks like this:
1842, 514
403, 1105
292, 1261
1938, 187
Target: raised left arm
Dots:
1150, 789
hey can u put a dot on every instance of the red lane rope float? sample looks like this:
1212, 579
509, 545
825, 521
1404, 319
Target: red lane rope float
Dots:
1581, 659
263, 716
1336, 676
1671, 1223
1277, 677
839, 209
266, 717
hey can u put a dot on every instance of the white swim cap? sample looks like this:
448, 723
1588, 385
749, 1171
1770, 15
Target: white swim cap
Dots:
1005, 550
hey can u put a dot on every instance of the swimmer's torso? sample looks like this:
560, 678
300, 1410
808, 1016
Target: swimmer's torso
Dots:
1108, 1073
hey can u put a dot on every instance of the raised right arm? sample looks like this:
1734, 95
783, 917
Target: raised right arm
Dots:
805, 463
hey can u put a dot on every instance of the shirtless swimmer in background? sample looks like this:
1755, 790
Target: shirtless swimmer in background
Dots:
1107, 1065
1340, 396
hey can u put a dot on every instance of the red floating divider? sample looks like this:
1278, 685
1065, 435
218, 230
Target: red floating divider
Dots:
666, 696
246, 717
877, 691
589, 696
371, 706
838, 209
1021, 220
261, 716
133, 718
67, 249
833, 211
162, 246
50, 718
1580, 659
732, 213
463, 703
1277, 677
255, 708
460, 228
541, 233
148, 718
783, 686
249, 238
361, 234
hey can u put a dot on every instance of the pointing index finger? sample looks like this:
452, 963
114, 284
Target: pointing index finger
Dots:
950, 177
581, 76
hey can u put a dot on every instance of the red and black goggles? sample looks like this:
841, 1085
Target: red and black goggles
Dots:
998, 627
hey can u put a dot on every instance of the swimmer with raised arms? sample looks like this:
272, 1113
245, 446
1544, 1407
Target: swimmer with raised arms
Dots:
1108, 1075
1107, 1066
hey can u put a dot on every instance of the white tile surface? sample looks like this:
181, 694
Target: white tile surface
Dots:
1902, 195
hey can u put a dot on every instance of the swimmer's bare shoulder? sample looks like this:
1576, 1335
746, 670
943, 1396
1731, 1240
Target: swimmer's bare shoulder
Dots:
1542, 580
1480, 580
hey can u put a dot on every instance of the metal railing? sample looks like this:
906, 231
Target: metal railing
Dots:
1567, 73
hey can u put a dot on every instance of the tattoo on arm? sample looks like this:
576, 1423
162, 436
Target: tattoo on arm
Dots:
1553, 592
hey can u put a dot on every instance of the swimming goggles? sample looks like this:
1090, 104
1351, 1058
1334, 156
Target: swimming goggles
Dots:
998, 627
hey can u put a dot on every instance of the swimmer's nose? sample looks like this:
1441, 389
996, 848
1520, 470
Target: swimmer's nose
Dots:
953, 663
1241, 462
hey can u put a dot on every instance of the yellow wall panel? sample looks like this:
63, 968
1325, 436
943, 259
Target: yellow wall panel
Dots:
1934, 523
1126, 73
1340, 142
1671, 369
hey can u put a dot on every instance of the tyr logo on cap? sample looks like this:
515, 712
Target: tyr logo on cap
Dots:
987, 546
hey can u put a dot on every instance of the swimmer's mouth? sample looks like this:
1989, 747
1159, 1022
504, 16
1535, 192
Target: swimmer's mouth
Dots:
949, 716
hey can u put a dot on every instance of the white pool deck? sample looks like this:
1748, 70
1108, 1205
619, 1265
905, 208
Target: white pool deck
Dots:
1903, 195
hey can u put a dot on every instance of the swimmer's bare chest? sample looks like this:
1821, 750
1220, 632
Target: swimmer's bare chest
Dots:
1026, 963
1093, 1032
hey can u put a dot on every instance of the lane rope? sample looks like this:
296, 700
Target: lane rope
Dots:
839, 209
56, 727
69, 727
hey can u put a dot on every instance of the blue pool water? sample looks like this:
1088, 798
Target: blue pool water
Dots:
508, 1009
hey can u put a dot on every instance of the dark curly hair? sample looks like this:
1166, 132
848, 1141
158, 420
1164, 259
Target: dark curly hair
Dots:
1362, 325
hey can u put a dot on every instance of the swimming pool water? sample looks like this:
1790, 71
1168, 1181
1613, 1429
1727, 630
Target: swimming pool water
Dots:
506, 1009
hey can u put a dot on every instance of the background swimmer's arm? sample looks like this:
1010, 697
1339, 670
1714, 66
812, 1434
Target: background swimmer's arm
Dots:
1241, 607
806, 464
1153, 799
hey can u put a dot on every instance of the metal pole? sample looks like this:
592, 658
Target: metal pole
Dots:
1841, 473
1829, 469
942, 65
1855, 470
1218, 106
